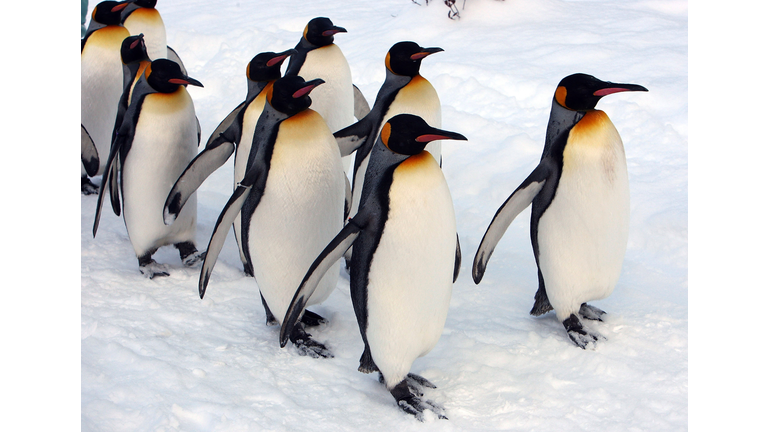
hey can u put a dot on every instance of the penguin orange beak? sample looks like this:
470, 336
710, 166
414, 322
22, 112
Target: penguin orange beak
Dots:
425, 52
617, 88
333, 30
309, 86
119, 7
281, 56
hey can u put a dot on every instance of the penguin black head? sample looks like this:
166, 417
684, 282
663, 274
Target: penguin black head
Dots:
581, 92
134, 49
108, 12
408, 134
404, 58
165, 76
290, 95
319, 31
144, 3
266, 66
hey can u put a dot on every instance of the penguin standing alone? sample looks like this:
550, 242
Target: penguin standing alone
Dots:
233, 135
157, 139
580, 213
290, 200
403, 262
101, 83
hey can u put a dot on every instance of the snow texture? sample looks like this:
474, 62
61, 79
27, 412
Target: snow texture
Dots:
155, 357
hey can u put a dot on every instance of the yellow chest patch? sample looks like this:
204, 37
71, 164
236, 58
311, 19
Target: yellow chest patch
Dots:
167, 103
302, 127
144, 15
594, 142
418, 92
417, 164
110, 37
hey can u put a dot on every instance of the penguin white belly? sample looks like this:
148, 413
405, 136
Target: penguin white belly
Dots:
164, 143
334, 100
300, 212
583, 233
411, 273
250, 117
149, 22
101, 85
417, 98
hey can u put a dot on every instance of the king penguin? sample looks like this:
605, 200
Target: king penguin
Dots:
233, 135
157, 139
580, 212
133, 53
101, 82
317, 56
404, 91
141, 17
290, 200
403, 263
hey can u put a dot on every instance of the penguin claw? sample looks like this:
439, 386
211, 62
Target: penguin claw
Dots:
311, 319
579, 335
194, 259
152, 270
414, 404
591, 313
87, 187
308, 346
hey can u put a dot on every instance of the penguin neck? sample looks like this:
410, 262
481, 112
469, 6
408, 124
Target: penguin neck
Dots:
392, 83
561, 119
128, 10
381, 161
254, 88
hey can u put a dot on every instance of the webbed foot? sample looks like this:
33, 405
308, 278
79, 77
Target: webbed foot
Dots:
153, 269
87, 187
591, 313
414, 404
578, 334
311, 319
308, 346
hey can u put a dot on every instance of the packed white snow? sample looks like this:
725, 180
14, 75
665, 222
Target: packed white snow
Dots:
154, 357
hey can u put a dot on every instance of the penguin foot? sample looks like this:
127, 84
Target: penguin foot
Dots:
415, 383
311, 319
189, 254
367, 364
308, 346
578, 334
271, 320
414, 404
87, 187
591, 313
153, 269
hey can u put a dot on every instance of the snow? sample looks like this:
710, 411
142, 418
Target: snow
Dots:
153, 356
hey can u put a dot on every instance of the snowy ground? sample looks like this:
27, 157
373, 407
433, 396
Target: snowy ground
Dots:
156, 357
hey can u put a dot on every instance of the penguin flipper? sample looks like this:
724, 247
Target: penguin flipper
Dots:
517, 202
220, 230
353, 136
332, 253
172, 55
225, 125
361, 105
88, 153
457, 260
110, 171
205, 163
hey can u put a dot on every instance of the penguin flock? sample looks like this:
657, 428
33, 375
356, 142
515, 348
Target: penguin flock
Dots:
294, 212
